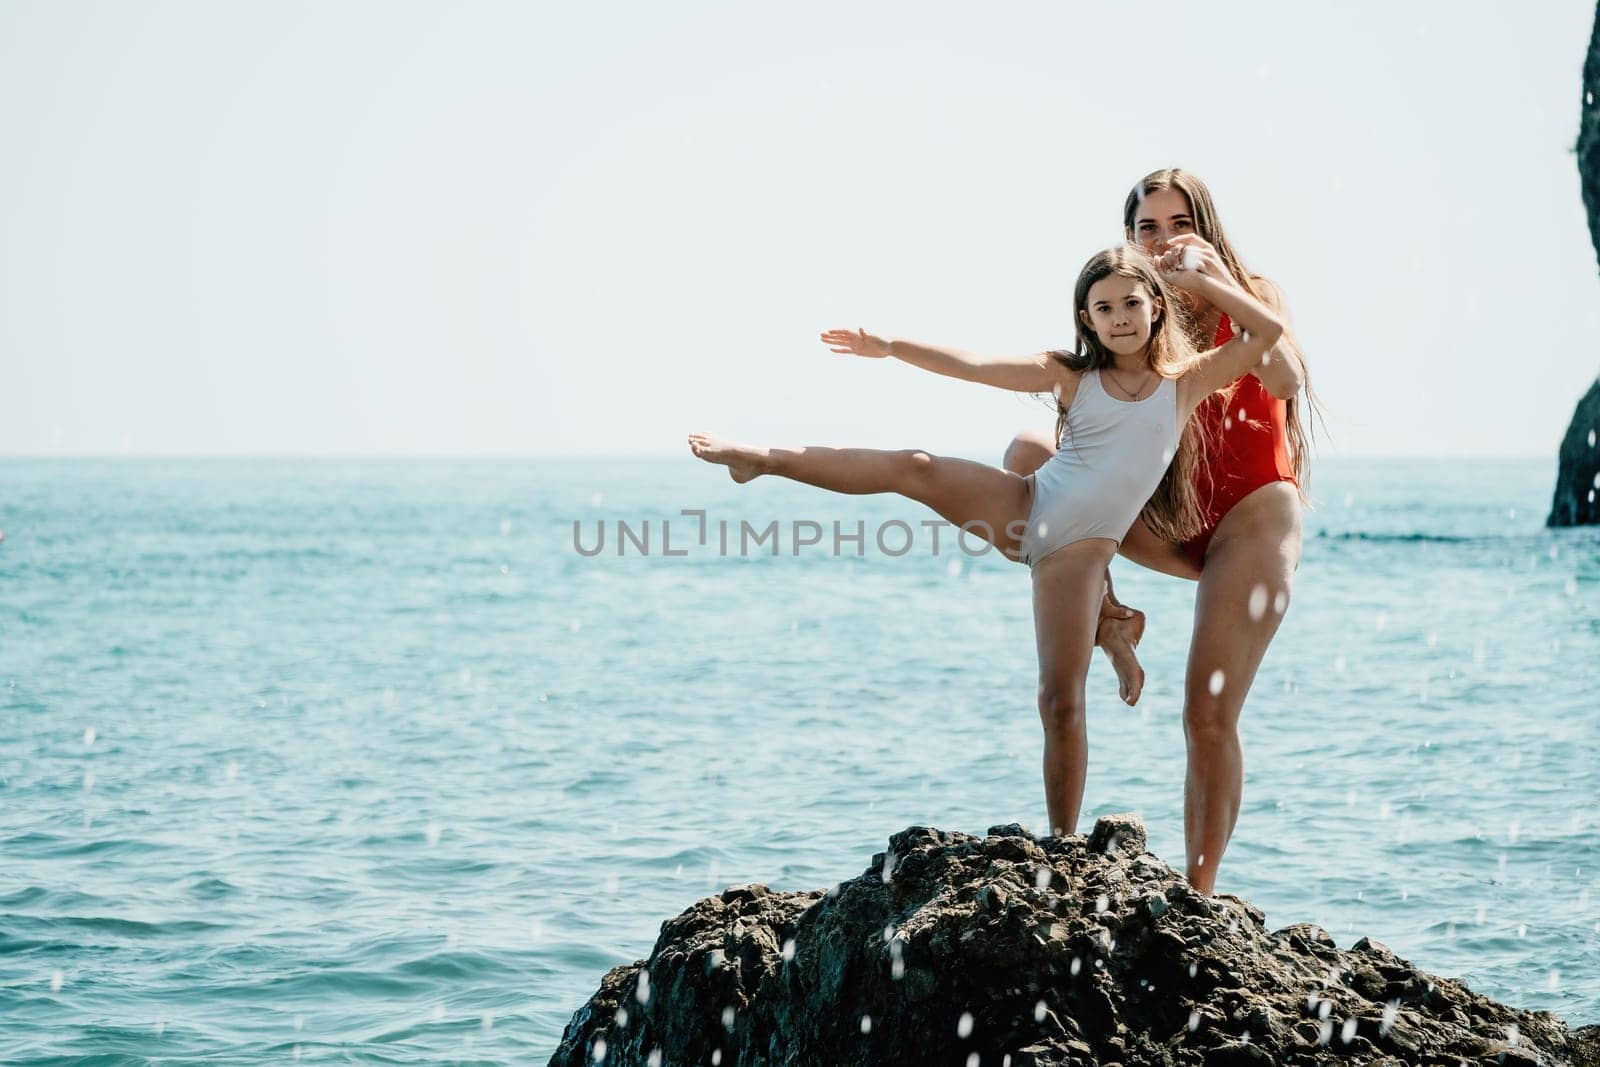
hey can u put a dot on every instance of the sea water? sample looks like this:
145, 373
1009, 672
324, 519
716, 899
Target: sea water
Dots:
366, 761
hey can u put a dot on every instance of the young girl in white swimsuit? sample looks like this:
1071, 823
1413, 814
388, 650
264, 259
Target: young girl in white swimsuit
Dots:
1125, 448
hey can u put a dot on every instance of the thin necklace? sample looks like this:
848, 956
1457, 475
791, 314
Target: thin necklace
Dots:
1134, 395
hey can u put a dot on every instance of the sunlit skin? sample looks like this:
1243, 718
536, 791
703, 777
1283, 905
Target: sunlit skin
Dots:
1069, 582
1256, 547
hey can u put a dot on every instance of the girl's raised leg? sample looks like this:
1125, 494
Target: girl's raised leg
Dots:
1244, 592
989, 502
1068, 586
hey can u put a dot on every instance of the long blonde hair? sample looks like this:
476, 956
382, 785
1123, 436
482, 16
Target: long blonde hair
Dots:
1173, 511
1209, 227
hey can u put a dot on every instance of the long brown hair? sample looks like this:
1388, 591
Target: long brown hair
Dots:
1209, 227
1173, 511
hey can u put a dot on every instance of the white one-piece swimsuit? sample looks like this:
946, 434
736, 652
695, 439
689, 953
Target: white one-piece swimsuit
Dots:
1112, 456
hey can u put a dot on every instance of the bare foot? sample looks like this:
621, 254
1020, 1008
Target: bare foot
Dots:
743, 461
1118, 638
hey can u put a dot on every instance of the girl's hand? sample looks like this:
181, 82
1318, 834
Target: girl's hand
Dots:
1181, 269
1184, 265
1199, 255
856, 343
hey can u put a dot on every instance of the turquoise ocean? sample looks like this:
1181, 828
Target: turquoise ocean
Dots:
347, 761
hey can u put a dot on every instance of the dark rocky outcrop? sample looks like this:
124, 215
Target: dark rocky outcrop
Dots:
1010, 949
1577, 496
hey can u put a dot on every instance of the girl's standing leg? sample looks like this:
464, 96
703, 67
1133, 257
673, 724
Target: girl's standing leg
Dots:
990, 502
1120, 627
1244, 592
1068, 586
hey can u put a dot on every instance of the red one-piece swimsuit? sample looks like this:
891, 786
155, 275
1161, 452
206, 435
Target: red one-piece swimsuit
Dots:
1249, 449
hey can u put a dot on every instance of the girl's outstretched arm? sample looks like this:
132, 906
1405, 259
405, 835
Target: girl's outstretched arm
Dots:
1037, 373
1239, 356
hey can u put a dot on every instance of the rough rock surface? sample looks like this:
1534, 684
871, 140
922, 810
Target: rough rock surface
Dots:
1009, 949
1577, 495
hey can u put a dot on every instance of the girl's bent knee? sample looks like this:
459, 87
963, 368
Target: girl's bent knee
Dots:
918, 464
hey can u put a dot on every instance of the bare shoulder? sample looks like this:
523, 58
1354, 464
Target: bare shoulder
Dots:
1065, 380
1271, 293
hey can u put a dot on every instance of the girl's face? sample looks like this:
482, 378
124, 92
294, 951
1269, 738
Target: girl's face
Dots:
1121, 313
1161, 216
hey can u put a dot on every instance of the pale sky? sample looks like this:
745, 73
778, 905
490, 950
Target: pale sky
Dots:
484, 228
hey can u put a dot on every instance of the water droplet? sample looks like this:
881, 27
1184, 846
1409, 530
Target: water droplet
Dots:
897, 969
486, 1020
728, 1017
161, 1025
56, 979
716, 1057
231, 770
1280, 602
1325, 1032
1077, 965
1512, 1036
88, 735
1101, 903
1041, 878
973, 1060
1215, 684
866, 1024
1347, 1032
431, 833
1194, 969
654, 1059
88, 781
299, 1023
964, 1025
1194, 1021
1039, 1010
1258, 601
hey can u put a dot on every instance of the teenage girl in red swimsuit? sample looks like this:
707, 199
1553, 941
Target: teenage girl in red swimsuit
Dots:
1245, 559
